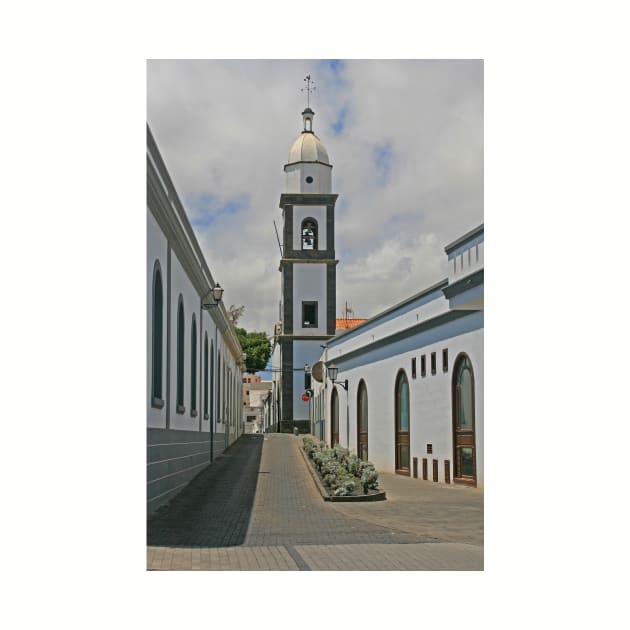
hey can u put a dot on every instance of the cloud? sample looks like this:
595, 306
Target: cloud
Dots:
383, 162
205, 208
405, 139
339, 125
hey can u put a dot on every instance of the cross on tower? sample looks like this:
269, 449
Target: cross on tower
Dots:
310, 87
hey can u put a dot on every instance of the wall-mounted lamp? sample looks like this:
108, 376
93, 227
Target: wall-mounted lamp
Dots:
332, 372
214, 297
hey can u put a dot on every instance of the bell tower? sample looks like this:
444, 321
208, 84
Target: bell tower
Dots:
308, 268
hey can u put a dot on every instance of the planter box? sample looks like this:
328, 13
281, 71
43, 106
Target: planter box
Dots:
372, 495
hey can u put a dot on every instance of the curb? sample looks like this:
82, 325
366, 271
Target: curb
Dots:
379, 496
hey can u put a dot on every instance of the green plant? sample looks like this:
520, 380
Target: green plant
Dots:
369, 480
341, 470
353, 464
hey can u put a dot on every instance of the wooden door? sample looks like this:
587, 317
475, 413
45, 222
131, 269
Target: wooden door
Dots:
464, 459
402, 424
334, 415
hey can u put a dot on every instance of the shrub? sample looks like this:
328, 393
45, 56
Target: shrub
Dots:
353, 465
341, 453
341, 470
369, 479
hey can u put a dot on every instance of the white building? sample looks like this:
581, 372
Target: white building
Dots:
255, 394
194, 361
308, 268
409, 391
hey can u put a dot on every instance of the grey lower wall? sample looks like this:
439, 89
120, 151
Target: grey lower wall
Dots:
173, 459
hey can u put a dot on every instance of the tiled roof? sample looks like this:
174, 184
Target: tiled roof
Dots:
344, 324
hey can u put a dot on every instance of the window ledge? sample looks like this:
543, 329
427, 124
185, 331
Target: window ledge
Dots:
180, 409
157, 403
193, 413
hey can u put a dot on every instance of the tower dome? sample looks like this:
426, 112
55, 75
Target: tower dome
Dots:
308, 147
308, 168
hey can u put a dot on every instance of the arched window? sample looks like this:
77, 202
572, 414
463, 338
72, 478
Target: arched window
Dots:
180, 356
219, 414
205, 377
157, 367
362, 421
402, 423
193, 367
464, 421
309, 234
212, 397
334, 418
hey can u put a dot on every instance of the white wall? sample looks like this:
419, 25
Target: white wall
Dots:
210, 328
429, 400
181, 285
296, 174
430, 403
309, 284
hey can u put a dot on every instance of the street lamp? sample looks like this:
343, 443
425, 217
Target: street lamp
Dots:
332, 372
213, 298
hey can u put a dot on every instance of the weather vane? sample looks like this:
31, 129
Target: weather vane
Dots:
310, 87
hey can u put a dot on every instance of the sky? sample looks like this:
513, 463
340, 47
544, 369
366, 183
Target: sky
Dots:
405, 138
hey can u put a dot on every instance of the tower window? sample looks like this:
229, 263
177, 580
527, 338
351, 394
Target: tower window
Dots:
309, 234
309, 180
309, 314
433, 363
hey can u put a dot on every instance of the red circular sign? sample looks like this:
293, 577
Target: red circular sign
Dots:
305, 397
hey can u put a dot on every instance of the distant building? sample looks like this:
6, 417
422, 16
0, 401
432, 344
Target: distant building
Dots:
255, 395
251, 378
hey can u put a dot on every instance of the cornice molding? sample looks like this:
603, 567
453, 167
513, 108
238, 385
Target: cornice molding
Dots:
307, 261
467, 282
420, 327
307, 199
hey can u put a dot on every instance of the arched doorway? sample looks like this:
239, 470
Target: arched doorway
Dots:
334, 418
402, 424
362, 421
464, 458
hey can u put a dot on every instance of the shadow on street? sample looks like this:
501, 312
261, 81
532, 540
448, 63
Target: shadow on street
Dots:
215, 508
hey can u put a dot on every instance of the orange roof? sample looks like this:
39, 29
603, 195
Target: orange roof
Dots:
343, 323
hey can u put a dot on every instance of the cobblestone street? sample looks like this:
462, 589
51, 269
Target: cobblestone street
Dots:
257, 508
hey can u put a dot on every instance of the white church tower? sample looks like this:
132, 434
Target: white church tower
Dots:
308, 268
